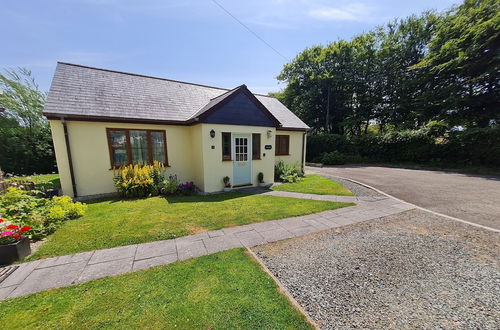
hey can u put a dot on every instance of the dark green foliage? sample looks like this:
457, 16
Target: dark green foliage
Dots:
413, 90
476, 146
320, 143
343, 87
287, 172
403, 74
25, 152
43, 215
25, 139
400, 146
463, 56
333, 158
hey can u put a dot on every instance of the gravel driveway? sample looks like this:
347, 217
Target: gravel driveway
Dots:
469, 197
410, 270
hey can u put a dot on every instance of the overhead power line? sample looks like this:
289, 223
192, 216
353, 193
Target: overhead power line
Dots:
250, 30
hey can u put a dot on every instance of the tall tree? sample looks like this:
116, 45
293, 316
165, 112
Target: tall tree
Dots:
345, 86
464, 57
25, 140
403, 43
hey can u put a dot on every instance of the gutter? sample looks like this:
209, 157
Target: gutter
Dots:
70, 160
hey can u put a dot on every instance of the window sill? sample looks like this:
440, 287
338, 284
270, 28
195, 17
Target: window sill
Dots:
256, 158
227, 160
282, 154
118, 167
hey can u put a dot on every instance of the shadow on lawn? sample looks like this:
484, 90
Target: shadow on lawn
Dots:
212, 198
51, 184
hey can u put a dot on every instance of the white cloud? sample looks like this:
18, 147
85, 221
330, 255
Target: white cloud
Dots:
351, 12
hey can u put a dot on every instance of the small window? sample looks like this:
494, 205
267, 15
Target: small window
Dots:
282, 145
255, 146
136, 146
226, 146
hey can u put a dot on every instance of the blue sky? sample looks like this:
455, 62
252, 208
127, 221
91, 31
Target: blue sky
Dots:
189, 40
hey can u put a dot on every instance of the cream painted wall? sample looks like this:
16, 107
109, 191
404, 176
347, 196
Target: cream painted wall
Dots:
61, 156
296, 156
196, 151
215, 168
189, 149
90, 152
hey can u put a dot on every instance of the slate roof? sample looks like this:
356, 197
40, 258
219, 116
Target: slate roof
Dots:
216, 100
83, 91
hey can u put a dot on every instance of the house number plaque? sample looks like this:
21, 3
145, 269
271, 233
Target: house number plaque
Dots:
268, 147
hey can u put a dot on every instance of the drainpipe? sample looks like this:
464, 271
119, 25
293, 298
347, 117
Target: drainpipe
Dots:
303, 150
70, 161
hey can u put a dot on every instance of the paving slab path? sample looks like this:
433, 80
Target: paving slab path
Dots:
77, 268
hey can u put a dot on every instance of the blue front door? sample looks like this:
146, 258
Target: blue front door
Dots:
242, 162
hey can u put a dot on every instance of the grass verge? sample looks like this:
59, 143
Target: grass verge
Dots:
114, 222
315, 184
226, 290
47, 181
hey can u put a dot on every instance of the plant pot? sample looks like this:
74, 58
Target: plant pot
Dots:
226, 189
14, 251
263, 184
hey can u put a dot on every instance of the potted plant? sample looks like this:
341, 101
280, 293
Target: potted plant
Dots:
227, 183
13, 244
260, 178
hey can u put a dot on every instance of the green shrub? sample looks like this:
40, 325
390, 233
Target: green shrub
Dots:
431, 144
286, 172
44, 216
63, 208
139, 180
320, 143
475, 146
170, 185
333, 158
19, 206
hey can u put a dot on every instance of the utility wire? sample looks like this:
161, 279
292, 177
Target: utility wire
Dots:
249, 30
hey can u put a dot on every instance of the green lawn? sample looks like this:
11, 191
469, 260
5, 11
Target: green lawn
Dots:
315, 184
113, 222
227, 290
47, 181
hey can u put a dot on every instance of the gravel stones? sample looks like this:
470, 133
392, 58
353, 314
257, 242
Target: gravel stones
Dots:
410, 270
356, 189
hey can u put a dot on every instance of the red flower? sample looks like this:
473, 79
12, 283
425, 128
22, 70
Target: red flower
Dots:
1, 220
25, 228
12, 226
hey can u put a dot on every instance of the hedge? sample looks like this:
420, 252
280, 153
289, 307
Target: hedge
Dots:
476, 146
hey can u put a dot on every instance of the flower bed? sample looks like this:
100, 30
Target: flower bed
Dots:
149, 180
42, 215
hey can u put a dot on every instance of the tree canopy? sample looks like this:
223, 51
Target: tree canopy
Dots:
402, 75
25, 140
